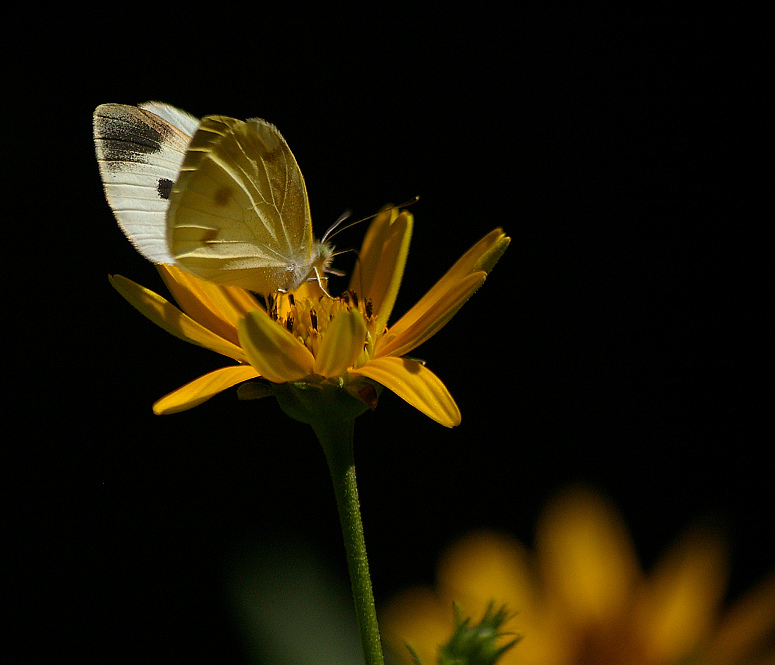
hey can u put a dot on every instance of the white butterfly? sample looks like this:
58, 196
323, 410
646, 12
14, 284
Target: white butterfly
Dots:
221, 198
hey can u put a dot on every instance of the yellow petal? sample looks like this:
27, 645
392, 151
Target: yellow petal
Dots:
216, 307
272, 350
428, 316
341, 345
381, 261
445, 298
165, 315
588, 559
201, 389
681, 599
365, 269
482, 256
416, 385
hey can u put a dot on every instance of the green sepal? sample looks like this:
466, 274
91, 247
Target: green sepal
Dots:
477, 644
316, 403
254, 390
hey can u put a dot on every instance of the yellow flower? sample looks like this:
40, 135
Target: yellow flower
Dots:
582, 598
318, 340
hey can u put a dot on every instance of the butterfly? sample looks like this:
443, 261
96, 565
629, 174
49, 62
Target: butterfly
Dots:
221, 198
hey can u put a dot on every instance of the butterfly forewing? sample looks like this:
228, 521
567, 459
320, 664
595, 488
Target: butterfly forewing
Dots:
140, 150
239, 212
185, 122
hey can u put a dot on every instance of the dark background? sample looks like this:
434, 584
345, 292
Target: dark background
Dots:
621, 341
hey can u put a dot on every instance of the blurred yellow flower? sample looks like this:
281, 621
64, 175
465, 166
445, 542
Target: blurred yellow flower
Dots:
310, 337
582, 599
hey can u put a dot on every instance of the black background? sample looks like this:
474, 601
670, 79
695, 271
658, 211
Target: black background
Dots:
621, 341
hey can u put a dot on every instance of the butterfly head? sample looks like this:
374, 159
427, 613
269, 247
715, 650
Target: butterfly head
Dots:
320, 263
322, 255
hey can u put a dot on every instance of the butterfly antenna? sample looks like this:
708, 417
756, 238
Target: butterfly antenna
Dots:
335, 226
330, 233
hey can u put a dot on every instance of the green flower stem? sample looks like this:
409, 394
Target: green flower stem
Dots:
336, 437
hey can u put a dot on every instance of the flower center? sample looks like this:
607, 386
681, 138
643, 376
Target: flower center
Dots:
308, 319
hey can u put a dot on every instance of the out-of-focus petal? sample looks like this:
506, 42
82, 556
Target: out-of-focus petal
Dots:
165, 315
748, 628
589, 563
416, 385
489, 567
416, 617
680, 601
341, 345
486, 567
481, 568
272, 350
201, 389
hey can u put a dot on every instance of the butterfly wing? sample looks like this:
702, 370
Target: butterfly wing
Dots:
140, 150
239, 212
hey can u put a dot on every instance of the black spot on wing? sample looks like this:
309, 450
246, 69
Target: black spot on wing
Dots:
129, 135
222, 196
164, 187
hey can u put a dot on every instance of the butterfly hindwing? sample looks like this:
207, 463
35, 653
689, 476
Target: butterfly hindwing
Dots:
140, 150
239, 212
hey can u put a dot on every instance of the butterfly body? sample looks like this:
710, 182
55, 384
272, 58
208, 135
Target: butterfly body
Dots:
221, 198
